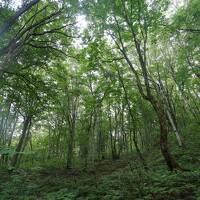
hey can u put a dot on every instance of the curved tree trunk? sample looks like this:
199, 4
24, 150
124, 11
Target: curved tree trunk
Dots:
162, 117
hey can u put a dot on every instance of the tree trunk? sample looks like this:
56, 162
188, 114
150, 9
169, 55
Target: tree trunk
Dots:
15, 158
70, 147
131, 115
162, 117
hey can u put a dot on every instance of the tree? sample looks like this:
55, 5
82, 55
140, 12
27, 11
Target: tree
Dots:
129, 23
35, 29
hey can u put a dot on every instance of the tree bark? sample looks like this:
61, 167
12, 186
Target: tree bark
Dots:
15, 158
70, 146
162, 117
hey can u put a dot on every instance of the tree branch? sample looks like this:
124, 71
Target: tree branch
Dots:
9, 23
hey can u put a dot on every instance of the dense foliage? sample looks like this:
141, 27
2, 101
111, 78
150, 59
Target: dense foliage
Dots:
99, 99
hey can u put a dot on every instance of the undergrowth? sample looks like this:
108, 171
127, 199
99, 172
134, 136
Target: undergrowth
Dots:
124, 179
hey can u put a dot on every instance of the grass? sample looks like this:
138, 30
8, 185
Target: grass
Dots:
124, 179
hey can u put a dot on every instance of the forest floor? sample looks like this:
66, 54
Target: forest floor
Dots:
123, 179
